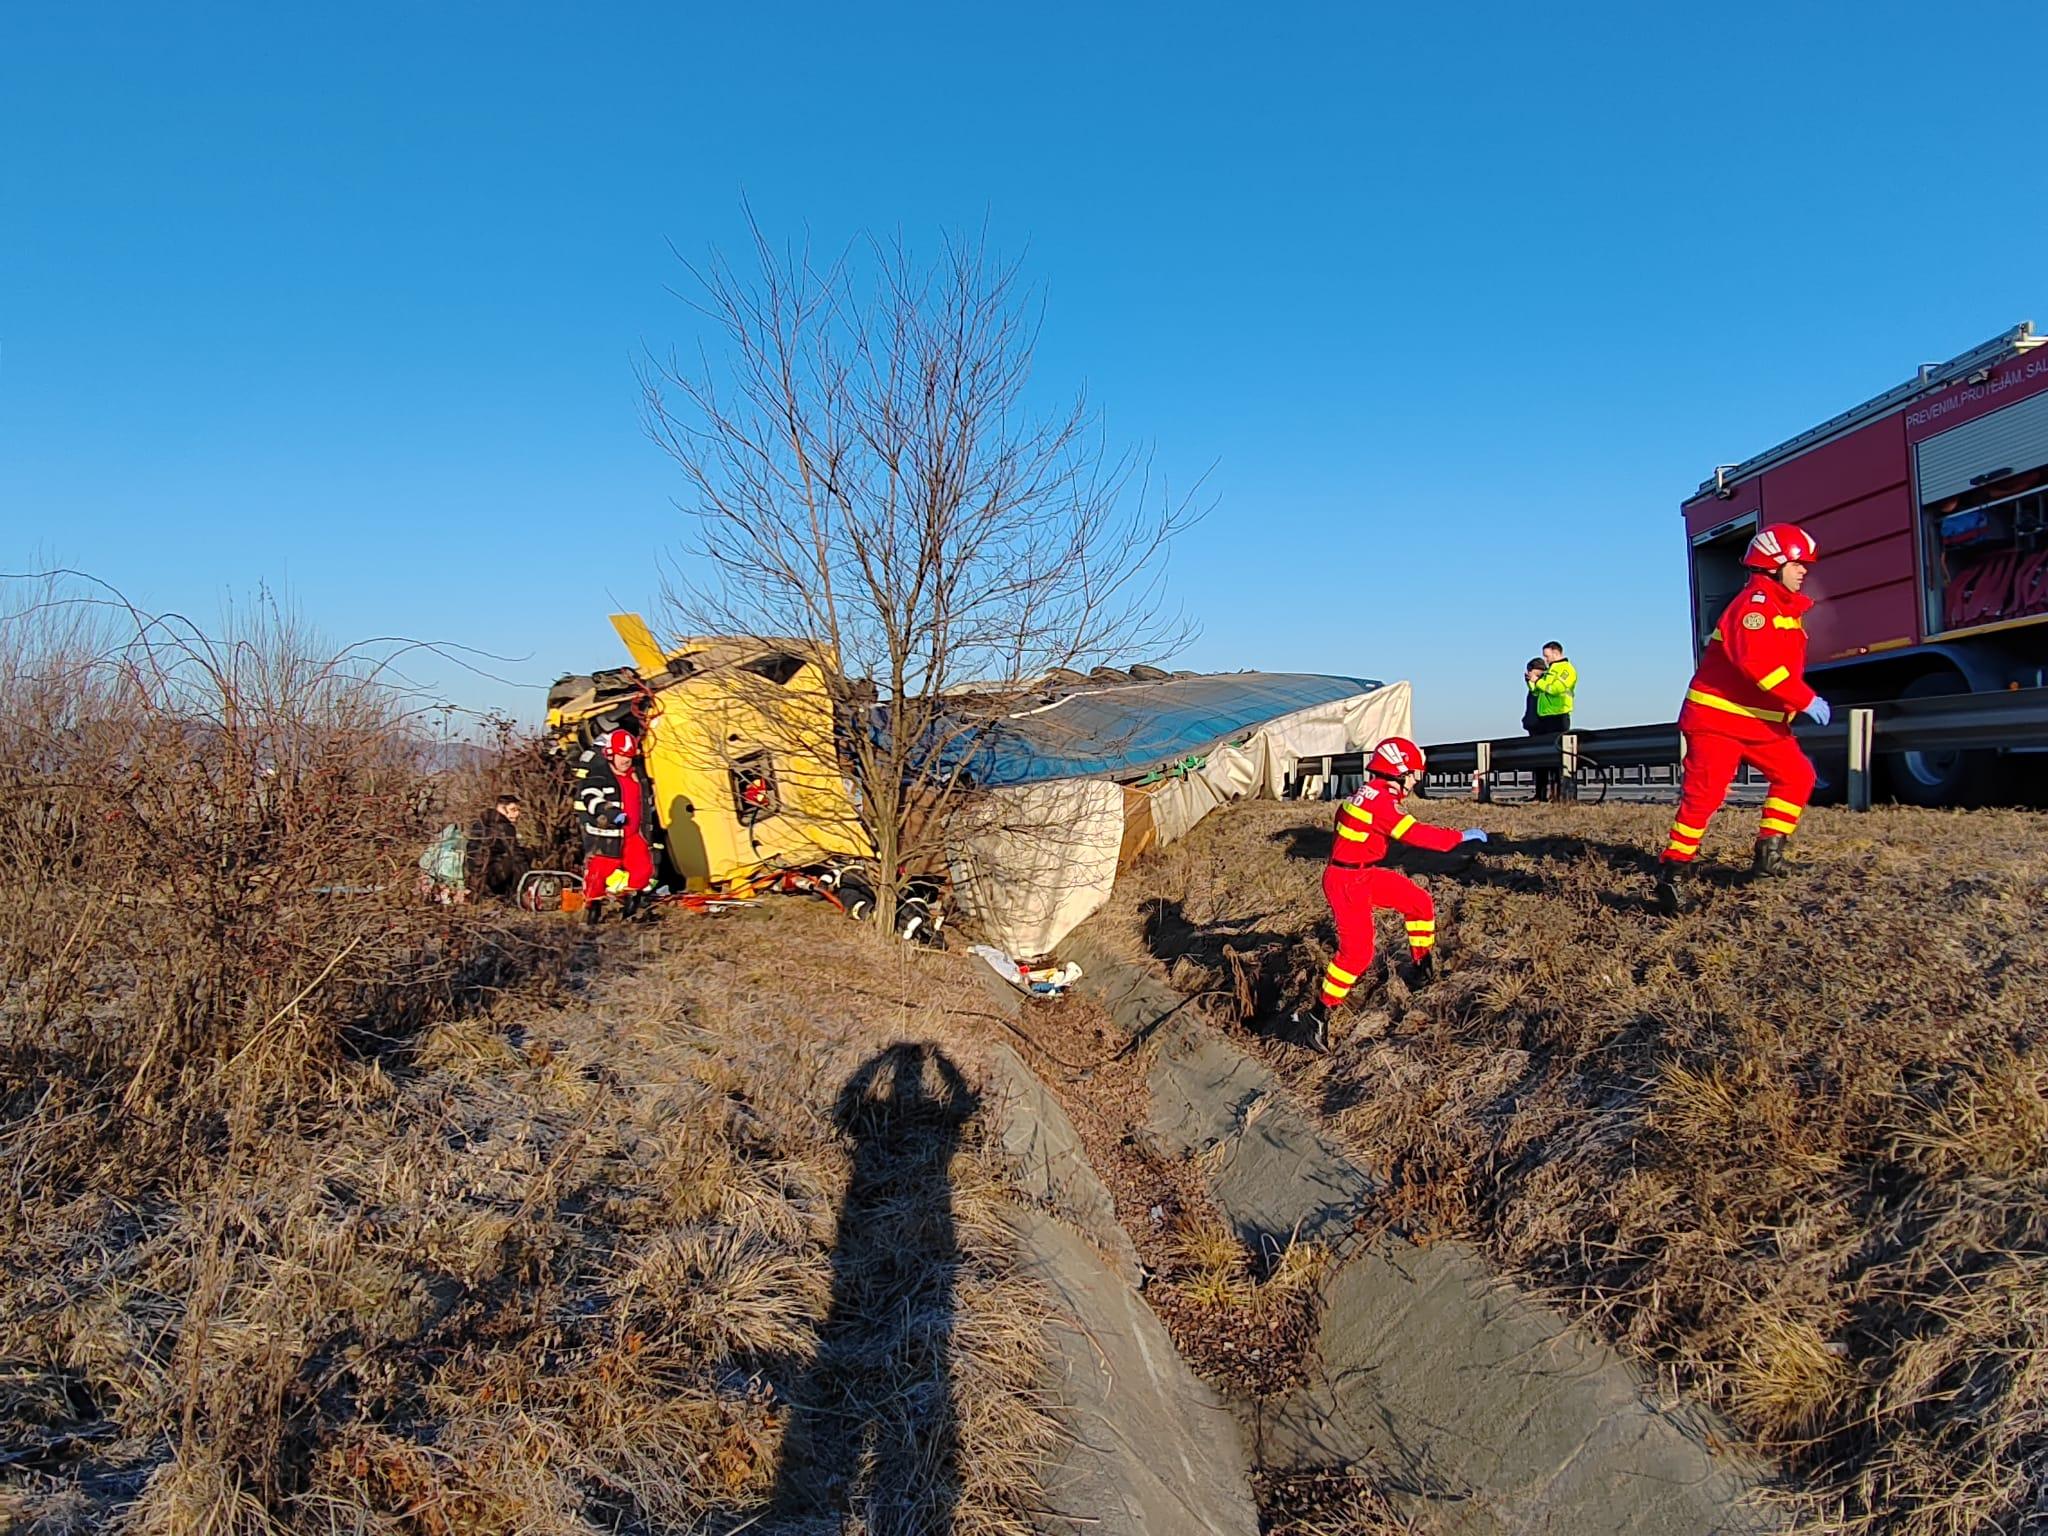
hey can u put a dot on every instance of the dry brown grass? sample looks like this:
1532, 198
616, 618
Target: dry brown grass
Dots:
1788, 1149
1208, 1264
1332, 1501
328, 1212
564, 1268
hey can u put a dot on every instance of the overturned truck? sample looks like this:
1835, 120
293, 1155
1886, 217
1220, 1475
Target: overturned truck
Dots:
745, 741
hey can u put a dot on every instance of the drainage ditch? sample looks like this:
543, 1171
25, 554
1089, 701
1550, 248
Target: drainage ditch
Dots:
1326, 1369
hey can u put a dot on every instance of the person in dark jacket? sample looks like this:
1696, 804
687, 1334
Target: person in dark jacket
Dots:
1530, 673
493, 861
1532, 722
616, 806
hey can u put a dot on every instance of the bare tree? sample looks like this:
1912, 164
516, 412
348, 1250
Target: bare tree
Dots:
871, 478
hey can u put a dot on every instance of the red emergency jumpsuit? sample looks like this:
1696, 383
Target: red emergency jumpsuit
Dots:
1750, 683
635, 857
1354, 886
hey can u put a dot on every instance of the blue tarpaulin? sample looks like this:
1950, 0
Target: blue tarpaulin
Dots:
1125, 730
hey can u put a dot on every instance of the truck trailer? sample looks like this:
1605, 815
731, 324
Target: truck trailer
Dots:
1929, 506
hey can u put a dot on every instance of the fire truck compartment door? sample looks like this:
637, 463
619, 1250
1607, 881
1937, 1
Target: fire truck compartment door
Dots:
2014, 439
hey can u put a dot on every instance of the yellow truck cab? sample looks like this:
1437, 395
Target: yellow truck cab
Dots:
738, 737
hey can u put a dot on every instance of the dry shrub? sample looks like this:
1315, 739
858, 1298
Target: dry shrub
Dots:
1790, 1149
212, 934
509, 760
210, 845
1210, 1266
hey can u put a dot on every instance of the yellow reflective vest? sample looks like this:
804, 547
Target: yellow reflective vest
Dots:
1555, 688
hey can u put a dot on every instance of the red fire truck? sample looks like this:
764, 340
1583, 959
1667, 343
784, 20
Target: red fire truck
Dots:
1929, 504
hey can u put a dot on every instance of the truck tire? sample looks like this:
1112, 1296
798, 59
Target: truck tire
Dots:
1830, 775
1938, 778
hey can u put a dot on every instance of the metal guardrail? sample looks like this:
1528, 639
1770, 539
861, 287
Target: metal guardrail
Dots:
2017, 718
1963, 721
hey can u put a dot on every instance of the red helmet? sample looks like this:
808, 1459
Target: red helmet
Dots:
1780, 544
621, 744
1395, 757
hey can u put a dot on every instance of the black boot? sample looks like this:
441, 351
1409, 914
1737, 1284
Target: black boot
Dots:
1311, 1026
593, 911
629, 906
1671, 900
1768, 861
1422, 969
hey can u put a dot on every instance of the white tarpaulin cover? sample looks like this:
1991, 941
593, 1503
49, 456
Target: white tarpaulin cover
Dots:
1043, 856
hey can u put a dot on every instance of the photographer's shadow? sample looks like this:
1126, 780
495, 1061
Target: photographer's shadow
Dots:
873, 1444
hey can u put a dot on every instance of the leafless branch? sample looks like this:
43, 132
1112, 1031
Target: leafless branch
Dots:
870, 476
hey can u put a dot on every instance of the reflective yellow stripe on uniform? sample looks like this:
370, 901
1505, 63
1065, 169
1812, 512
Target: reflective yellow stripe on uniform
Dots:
1775, 676
1782, 807
1680, 829
1401, 827
1779, 621
1716, 635
1714, 701
1422, 925
1778, 824
1356, 834
1337, 973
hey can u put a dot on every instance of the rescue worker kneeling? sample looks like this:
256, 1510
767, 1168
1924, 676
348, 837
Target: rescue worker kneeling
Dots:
616, 806
1355, 887
1750, 682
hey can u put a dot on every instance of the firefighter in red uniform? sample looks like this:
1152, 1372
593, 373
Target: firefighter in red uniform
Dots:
1750, 683
1355, 886
617, 807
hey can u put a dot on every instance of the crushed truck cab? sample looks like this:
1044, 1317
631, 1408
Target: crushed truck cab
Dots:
739, 739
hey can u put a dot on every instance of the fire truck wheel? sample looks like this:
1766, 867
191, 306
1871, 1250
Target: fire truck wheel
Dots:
1939, 778
1830, 776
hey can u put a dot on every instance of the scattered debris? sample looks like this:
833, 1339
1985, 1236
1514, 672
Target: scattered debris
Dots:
1041, 981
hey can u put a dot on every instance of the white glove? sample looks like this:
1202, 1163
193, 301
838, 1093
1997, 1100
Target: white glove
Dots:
1472, 835
1819, 710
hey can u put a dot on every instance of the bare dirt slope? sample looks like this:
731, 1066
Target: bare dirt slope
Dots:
1791, 1149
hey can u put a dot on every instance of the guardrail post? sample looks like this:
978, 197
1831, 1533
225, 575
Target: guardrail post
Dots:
1568, 766
1482, 774
1862, 727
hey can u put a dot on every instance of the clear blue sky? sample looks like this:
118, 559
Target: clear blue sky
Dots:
1458, 302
